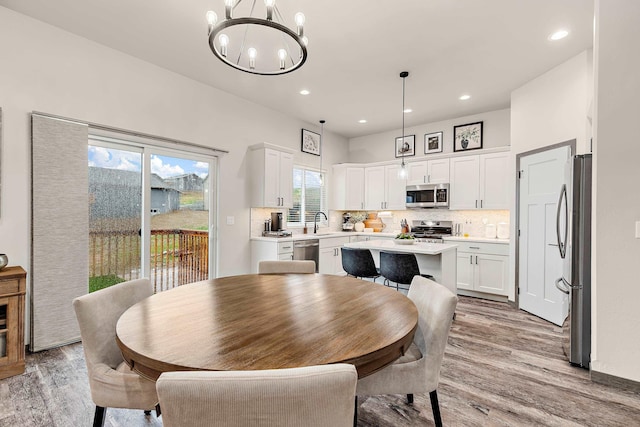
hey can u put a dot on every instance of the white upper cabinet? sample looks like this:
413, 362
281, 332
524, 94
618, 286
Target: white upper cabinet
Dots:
479, 182
383, 188
271, 176
348, 187
465, 189
429, 172
396, 189
374, 187
494, 174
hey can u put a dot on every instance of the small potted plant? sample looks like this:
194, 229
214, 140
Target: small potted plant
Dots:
356, 219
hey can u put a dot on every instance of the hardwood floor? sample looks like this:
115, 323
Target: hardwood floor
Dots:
502, 367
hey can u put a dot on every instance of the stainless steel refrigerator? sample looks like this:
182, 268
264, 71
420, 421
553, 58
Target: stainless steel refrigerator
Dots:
573, 228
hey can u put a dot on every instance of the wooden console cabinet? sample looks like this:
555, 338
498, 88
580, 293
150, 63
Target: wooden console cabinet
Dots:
12, 292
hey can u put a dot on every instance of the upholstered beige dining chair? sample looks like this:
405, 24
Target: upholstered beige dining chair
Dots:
418, 371
313, 396
111, 381
281, 267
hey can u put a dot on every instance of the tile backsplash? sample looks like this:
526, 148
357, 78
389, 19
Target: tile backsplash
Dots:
471, 220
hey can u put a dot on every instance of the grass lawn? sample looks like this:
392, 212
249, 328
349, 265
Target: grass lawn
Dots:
101, 282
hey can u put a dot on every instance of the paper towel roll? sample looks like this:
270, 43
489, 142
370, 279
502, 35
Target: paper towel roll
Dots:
503, 230
490, 231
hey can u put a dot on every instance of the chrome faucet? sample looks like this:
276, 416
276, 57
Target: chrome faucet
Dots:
315, 221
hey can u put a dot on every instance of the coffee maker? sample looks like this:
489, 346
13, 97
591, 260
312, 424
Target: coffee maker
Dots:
347, 225
276, 221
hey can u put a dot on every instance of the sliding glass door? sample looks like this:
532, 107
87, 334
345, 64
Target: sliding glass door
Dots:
150, 213
179, 218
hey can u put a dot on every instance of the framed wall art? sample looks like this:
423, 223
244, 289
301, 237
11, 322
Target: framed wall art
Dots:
433, 143
311, 142
406, 146
467, 137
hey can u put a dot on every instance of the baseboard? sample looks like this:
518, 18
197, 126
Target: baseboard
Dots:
492, 297
617, 382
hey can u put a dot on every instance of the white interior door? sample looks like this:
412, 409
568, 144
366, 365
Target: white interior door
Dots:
540, 264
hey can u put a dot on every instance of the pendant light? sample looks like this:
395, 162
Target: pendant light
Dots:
402, 172
322, 122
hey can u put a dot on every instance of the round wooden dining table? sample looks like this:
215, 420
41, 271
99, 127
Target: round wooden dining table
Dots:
268, 321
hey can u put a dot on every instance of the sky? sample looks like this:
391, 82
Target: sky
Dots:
163, 166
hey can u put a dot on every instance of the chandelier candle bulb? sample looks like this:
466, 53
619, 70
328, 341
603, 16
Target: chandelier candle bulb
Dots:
212, 18
224, 42
299, 18
228, 7
252, 57
269, 4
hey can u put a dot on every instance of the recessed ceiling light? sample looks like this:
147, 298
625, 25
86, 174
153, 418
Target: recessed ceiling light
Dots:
464, 97
560, 34
304, 92
362, 121
407, 110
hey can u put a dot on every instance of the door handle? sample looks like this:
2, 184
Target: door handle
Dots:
476, 259
562, 288
471, 259
428, 178
480, 203
476, 204
561, 244
552, 244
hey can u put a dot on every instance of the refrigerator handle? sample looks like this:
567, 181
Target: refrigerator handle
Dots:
562, 244
562, 288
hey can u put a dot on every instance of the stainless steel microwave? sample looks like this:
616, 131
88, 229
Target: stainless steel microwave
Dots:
428, 196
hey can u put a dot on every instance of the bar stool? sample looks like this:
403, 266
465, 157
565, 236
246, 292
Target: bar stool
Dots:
359, 263
400, 268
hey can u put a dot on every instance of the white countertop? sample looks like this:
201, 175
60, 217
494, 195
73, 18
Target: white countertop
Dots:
416, 248
476, 239
322, 235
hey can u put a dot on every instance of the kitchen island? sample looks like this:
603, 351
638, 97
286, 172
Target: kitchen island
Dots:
436, 259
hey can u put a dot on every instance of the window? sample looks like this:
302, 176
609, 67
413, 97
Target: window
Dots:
309, 197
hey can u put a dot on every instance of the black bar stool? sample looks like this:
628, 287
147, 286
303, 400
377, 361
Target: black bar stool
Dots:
359, 263
400, 268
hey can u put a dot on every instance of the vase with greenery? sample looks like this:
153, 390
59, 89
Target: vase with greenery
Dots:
466, 135
357, 219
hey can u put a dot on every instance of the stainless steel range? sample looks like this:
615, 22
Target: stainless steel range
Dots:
431, 231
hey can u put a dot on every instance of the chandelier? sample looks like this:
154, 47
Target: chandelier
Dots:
263, 46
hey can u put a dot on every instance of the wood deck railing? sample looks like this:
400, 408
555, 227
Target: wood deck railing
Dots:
177, 256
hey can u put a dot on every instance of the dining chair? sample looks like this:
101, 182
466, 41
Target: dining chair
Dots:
282, 267
359, 263
113, 384
418, 370
312, 396
399, 268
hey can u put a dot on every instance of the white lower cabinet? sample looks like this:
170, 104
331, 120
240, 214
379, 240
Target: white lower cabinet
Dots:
268, 250
330, 260
483, 267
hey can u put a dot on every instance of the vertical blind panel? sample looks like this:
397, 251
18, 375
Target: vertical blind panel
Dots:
59, 229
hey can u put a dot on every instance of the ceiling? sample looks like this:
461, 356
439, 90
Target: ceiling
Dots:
357, 48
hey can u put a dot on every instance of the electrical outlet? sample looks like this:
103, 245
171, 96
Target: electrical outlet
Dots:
231, 220
637, 229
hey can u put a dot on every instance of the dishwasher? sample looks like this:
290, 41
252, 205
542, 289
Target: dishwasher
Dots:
307, 250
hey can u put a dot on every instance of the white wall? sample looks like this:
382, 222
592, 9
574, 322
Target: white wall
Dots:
616, 320
381, 146
46, 69
548, 110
